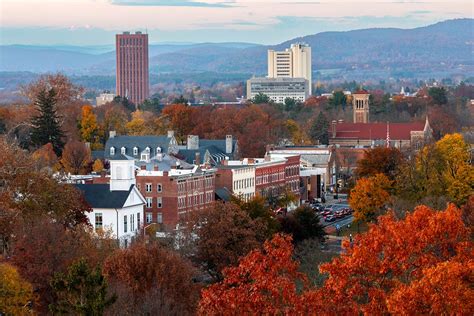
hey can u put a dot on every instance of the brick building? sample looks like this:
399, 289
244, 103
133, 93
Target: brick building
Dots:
172, 193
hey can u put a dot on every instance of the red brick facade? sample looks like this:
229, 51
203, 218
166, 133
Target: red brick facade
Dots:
170, 198
132, 79
273, 178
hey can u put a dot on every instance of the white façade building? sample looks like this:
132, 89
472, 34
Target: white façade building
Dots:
117, 206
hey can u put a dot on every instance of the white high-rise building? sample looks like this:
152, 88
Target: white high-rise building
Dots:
294, 62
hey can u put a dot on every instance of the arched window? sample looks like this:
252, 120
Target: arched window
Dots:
158, 150
123, 150
135, 151
112, 151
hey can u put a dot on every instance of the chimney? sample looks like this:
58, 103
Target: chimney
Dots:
155, 167
334, 122
193, 142
228, 144
197, 159
340, 121
112, 134
143, 167
170, 134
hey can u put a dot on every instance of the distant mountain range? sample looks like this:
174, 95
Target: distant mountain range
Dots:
441, 48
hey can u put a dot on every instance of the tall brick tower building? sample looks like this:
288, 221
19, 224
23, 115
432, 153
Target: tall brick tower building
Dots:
132, 79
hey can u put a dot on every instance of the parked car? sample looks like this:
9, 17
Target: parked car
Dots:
339, 214
329, 218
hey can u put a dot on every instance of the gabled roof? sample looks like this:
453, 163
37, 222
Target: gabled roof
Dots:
100, 196
398, 131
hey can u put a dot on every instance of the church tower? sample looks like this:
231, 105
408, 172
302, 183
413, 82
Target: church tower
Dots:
360, 104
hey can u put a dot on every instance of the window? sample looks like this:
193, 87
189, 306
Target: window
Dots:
149, 202
125, 224
159, 202
123, 150
158, 187
158, 150
138, 220
149, 218
132, 222
98, 220
112, 151
148, 187
138, 186
135, 151
159, 218
144, 157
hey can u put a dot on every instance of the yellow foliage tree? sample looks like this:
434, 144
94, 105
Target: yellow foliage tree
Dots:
458, 173
90, 130
297, 134
15, 293
369, 196
137, 126
98, 166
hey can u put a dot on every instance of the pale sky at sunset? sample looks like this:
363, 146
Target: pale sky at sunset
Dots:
93, 22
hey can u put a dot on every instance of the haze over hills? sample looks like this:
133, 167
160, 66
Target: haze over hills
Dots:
441, 49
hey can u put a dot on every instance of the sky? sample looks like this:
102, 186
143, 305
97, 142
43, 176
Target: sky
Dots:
94, 22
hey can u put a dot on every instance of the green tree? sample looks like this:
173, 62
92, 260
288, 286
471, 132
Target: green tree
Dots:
338, 99
261, 98
46, 126
81, 291
438, 94
290, 104
319, 130
303, 223
181, 100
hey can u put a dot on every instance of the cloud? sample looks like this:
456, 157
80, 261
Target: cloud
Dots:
173, 3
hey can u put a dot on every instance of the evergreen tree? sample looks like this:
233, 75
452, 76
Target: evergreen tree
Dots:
46, 127
261, 98
319, 130
82, 291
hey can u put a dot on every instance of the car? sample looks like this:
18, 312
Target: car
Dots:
339, 214
329, 218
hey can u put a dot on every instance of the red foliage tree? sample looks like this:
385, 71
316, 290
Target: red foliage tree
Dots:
264, 283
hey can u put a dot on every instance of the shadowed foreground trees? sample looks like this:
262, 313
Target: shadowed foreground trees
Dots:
16, 294
151, 280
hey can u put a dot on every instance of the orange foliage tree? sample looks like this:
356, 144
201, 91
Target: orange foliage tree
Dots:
264, 283
420, 265
369, 196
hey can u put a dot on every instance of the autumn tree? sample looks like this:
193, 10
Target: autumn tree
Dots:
297, 134
419, 265
16, 294
264, 283
98, 166
81, 290
151, 280
66, 91
46, 127
379, 160
458, 171
76, 157
45, 157
180, 118
320, 130
90, 131
115, 119
259, 211
438, 170
42, 248
139, 124
224, 233
369, 196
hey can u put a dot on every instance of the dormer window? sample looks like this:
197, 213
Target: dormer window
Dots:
123, 150
158, 150
147, 150
112, 151
135, 151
